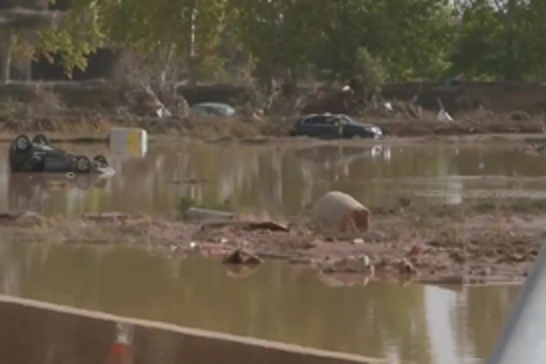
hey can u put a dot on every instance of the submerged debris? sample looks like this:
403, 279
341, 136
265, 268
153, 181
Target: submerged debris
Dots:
241, 256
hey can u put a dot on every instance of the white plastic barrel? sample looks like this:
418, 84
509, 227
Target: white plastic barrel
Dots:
129, 141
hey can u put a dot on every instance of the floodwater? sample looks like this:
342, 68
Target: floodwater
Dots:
407, 324
279, 182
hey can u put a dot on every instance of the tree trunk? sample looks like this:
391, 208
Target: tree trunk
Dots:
5, 59
512, 72
191, 51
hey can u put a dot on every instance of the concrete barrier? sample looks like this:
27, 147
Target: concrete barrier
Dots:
33, 332
128, 141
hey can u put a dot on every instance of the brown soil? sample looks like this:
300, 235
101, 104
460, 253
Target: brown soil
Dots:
472, 243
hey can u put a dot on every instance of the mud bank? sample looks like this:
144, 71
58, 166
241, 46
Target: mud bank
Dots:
93, 127
469, 244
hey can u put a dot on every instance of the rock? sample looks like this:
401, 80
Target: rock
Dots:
339, 212
241, 256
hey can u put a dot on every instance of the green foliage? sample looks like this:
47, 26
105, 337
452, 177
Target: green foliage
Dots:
77, 34
501, 40
341, 40
368, 72
409, 38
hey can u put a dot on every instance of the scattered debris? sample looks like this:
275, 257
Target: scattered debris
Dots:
197, 213
444, 117
241, 256
194, 246
266, 225
29, 217
406, 267
109, 216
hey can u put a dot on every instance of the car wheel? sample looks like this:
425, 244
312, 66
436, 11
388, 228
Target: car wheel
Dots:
83, 164
40, 139
100, 161
22, 143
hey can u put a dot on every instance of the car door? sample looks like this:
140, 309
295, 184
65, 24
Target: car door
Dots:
330, 127
307, 126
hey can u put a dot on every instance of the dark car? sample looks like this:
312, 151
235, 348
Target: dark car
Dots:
334, 126
39, 156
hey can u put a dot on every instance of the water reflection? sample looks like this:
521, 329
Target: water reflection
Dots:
278, 182
414, 323
34, 332
33, 192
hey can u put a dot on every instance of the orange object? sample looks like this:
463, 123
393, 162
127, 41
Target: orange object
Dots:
119, 354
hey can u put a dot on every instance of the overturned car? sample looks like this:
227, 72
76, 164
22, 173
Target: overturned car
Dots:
38, 156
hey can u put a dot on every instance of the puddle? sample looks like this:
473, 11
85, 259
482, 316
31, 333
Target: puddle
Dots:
407, 324
276, 182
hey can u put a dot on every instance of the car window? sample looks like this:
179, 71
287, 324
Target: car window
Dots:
331, 121
311, 120
320, 120
345, 119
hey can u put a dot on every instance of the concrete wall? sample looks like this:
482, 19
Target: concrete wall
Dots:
33, 332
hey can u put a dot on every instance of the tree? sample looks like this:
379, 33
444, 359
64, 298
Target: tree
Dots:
409, 39
173, 30
501, 39
277, 34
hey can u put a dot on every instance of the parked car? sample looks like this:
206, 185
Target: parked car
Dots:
334, 126
39, 155
213, 109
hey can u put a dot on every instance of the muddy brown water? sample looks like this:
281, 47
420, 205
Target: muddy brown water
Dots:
279, 182
407, 324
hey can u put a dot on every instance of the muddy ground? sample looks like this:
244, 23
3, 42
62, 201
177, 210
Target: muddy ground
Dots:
473, 243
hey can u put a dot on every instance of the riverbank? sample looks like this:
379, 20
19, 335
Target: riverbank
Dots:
475, 243
94, 129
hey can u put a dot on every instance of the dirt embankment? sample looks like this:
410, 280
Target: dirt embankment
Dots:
91, 109
472, 243
97, 126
